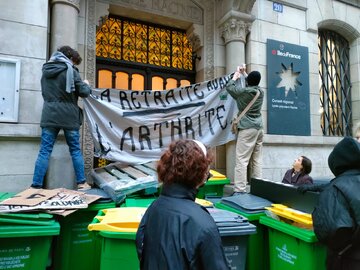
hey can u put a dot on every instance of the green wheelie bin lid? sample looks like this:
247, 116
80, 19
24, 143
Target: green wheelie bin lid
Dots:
19, 218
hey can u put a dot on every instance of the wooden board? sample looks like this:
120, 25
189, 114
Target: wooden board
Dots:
134, 172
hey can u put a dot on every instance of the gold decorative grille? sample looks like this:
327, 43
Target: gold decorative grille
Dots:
335, 84
132, 41
108, 39
159, 46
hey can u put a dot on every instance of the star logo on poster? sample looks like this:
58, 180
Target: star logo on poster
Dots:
289, 79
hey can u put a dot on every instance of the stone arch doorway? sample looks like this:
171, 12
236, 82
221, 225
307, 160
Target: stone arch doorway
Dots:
196, 17
136, 55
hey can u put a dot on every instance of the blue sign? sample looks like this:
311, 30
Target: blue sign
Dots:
277, 7
288, 100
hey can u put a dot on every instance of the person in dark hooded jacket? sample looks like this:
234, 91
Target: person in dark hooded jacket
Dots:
61, 87
336, 217
176, 233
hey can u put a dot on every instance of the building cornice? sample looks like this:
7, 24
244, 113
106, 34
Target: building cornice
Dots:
234, 26
73, 3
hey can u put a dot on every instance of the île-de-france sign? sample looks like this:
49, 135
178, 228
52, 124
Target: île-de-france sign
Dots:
288, 99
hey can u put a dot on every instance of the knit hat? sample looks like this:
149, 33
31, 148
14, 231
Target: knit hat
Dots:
253, 79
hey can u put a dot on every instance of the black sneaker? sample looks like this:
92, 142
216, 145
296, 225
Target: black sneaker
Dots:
35, 186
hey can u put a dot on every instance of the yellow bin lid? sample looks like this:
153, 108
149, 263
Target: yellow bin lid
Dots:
292, 214
123, 219
204, 203
216, 175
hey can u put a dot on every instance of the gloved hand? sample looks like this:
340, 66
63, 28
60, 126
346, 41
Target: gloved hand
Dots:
311, 187
303, 188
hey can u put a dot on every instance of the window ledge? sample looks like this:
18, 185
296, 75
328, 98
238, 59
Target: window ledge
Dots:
300, 140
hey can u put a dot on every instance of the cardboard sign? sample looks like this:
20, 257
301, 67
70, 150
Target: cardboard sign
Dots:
41, 199
65, 212
31, 197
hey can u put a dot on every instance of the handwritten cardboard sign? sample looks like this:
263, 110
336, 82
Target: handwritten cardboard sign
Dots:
41, 199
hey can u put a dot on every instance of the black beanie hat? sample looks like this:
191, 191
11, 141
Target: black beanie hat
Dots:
253, 79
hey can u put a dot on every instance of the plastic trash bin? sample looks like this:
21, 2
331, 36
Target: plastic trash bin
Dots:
118, 249
234, 231
146, 202
251, 207
25, 239
214, 187
77, 248
117, 230
26, 246
291, 216
27, 219
6, 195
293, 248
138, 202
257, 257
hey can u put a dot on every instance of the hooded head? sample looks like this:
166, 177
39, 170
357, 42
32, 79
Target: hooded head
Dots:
253, 79
345, 156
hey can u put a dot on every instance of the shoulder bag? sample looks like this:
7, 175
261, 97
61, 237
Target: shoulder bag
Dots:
235, 121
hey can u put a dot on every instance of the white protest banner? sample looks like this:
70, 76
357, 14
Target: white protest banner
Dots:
134, 127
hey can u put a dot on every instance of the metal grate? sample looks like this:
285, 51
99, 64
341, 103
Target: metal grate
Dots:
335, 85
134, 41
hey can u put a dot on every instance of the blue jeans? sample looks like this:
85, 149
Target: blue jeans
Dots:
48, 138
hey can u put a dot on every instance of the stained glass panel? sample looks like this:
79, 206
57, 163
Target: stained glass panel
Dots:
187, 54
157, 83
124, 39
177, 50
105, 78
159, 44
137, 82
122, 80
108, 43
171, 83
184, 83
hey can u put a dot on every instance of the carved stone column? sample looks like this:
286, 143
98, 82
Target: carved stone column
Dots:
64, 23
90, 70
234, 27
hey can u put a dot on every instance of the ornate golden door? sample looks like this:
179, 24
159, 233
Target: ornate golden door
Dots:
135, 55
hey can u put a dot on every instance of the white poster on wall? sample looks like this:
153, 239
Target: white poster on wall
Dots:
135, 127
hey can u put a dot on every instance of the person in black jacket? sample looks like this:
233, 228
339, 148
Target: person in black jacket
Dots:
175, 232
336, 217
61, 87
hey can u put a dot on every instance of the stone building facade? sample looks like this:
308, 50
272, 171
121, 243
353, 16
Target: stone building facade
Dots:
223, 33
